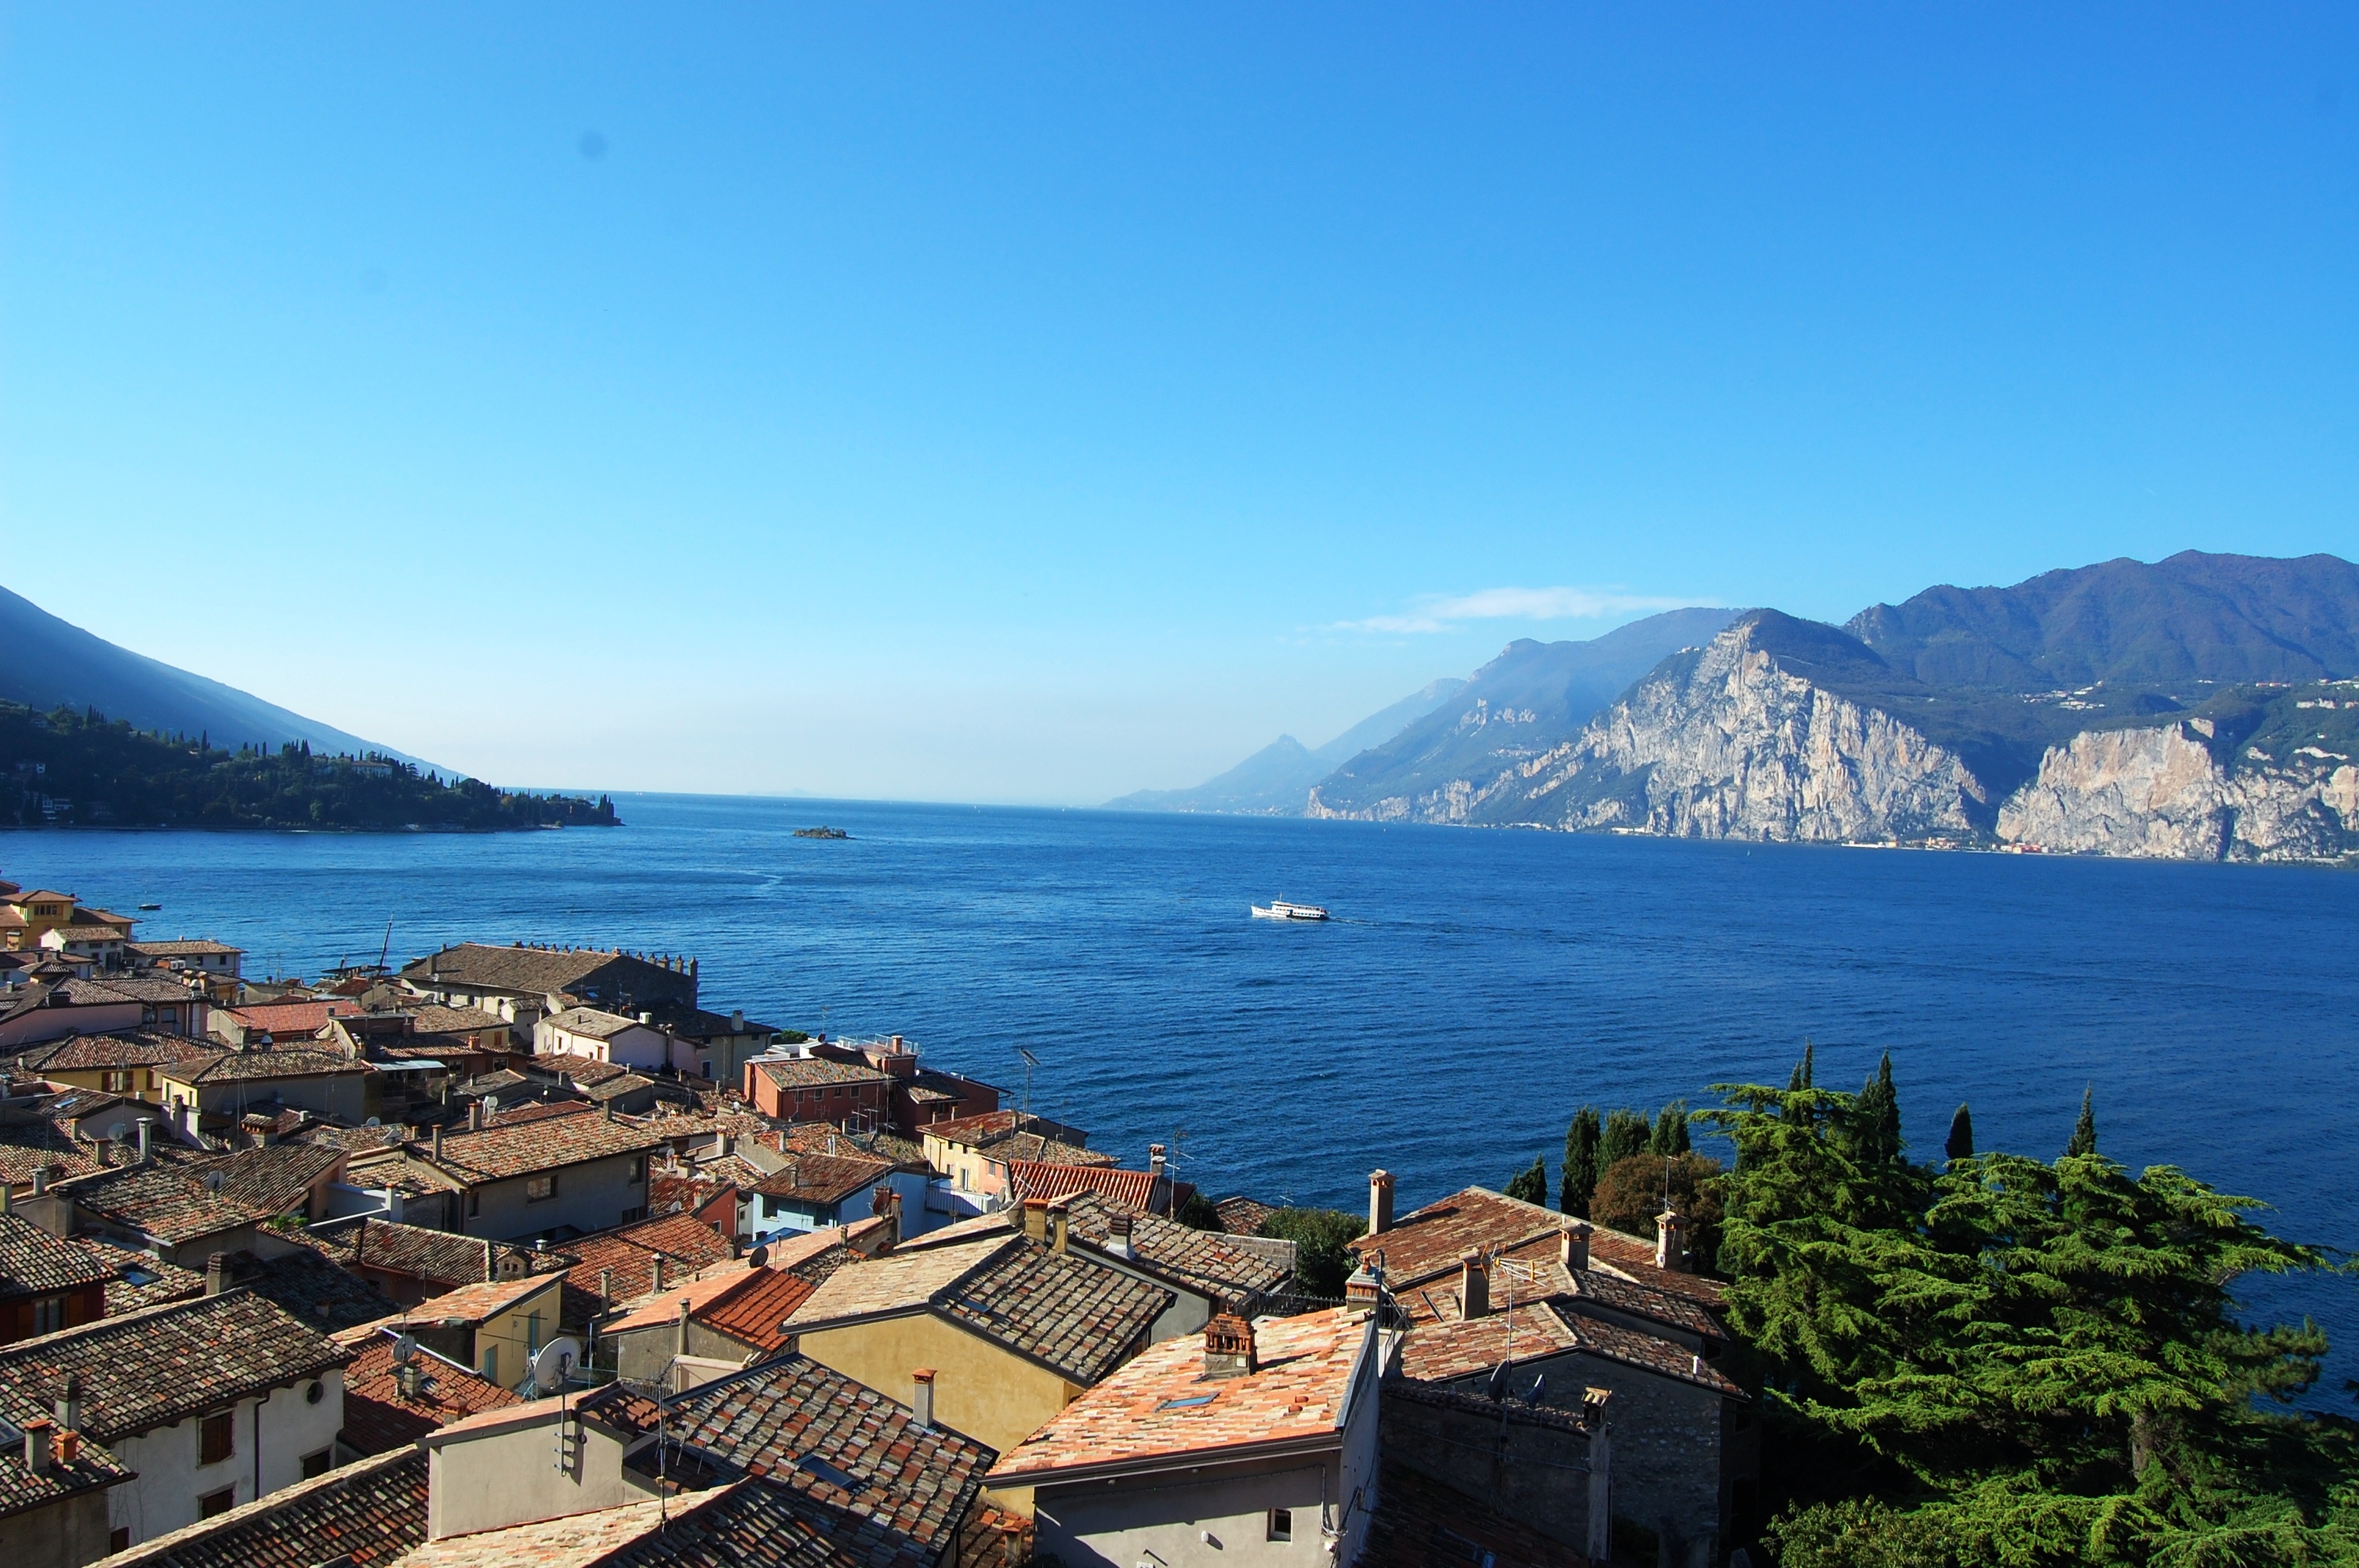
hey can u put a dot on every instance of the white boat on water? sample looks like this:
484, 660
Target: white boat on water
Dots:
1278, 909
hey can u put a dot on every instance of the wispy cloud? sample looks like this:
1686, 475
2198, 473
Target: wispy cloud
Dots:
1447, 613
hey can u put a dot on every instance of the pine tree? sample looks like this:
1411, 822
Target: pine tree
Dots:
2084, 1131
1531, 1186
1626, 1133
1802, 1079
1961, 1145
1670, 1137
1876, 1128
1581, 1165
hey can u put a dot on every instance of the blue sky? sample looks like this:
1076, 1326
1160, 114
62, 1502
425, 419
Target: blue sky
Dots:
1025, 403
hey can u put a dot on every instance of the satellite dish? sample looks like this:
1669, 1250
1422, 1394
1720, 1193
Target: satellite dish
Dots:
403, 1347
556, 1363
213, 1180
759, 1257
491, 1104
373, 1121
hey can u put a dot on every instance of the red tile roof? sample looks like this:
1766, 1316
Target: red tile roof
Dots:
1162, 1405
753, 1315
379, 1417
497, 1153
1134, 1190
625, 1258
294, 1017
1447, 1352
368, 1514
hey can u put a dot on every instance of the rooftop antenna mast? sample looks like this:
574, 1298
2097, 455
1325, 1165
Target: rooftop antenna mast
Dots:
386, 951
1030, 1062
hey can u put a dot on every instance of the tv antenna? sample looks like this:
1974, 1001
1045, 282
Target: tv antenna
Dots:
386, 951
1030, 1062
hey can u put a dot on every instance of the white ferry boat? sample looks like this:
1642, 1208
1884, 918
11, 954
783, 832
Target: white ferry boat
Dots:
1278, 909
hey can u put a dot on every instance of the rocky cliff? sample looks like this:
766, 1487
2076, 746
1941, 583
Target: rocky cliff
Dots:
1727, 742
2167, 793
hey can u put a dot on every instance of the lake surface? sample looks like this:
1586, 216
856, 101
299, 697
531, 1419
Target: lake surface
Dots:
1474, 989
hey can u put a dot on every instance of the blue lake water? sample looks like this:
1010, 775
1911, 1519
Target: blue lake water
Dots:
1475, 988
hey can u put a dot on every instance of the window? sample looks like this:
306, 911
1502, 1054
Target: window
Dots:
48, 1314
633, 1215
118, 1081
539, 1188
317, 1463
214, 1504
1281, 1524
475, 1203
119, 1539
216, 1439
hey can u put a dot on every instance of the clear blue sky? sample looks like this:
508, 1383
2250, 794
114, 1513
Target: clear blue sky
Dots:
1021, 402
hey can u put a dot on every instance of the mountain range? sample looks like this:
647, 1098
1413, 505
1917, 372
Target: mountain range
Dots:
51, 664
2202, 706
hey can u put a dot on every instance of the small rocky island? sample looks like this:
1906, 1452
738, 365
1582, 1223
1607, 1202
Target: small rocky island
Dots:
820, 833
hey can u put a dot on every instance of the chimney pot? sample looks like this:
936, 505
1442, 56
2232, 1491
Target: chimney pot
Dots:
1380, 1202
921, 1396
475, 1116
657, 1278
438, 1141
1155, 1159
1474, 1285
1118, 1241
1671, 1241
1575, 1248
37, 1445
68, 1446
1229, 1347
41, 1180
606, 1284
1061, 1224
1036, 1218
68, 1403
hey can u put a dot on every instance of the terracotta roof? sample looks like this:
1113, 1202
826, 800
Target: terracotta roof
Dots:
33, 1144
826, 1137
1428, 1243
498, 1152
592, 1023
294, 1017
1161, 1405
437, 1257
95, 1053
20, 1491
1419, 1522
1204, 1258
478, 1303
253, 1066
380, 1417
538, 1111
822, 1179
136, 1280
654, 1312
1243, 1216
309, 1287
1666, 1307
628, 1254
479, 966
1134, 1190
184, 947
34, 1262
817, 1072
1444, 1352
367, 1514
805, 1429
580, 1070
755, 1313
433, 1018
619, 1086
1077, 1317
277, 1178
150, 1368
159, 1200
684, 1193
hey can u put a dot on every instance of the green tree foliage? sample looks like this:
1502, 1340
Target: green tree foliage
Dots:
2084, 1130
1627, 1132
73, 769
1960, 1143
1670, 1134
1197, 1213
1531, 1185
2021, 1364
1632, 1192
1876, 1125
1579, 1178
1321, 1236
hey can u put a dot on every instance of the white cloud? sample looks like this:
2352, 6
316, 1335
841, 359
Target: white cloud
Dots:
1446, 613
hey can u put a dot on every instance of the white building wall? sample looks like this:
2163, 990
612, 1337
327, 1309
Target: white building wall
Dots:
164, 1496
1159, 1519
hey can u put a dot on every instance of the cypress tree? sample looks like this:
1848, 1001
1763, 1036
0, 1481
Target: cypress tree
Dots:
1877, 1118
1581, 1165
1531, 1186
1670, 1137
2084, 1131
1961, 1145
1798, 1084
1626, 1133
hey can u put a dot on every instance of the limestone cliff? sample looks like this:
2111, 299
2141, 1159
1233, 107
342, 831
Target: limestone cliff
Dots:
2165, 792
1727, 742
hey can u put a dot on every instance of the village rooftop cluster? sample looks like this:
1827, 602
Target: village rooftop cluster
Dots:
522, 1254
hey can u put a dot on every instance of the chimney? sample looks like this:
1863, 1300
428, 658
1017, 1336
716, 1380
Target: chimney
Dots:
1574, 1240
1036, 1218
605, 1284
1011, 1545
68, 1403
37, 1445
5, 1200
656, 1278
921, 1396
1380, 1202
646, 1017
1474, 1285
216, 1273
41, 1180
1363, 1292
1229, 1347
680, 1345
69, 1447
1060, 1225
896, 1044
1155, 1159
1118, 1241
1671, 1241
606, 1110
475, 1116
736, 1021
438, 1141
1593, 1406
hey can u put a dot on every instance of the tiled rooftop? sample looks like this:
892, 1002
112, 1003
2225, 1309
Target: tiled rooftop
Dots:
277, 1178
312, 1288
1133, 1190
379, 1417
479, 1303
161, 1200
294, 1017
479, 966
136, 1280
1161, 1405
1241, 1216
95, 1053
33, 1145
34, 1262
433, 1018
817, 1072
252, 1066
590, 1023
755, 1313
1071, 1314
1443, 1352
823, 1179
625, 1258
1420, 1522
20, 1491
162, 1364
185, 948
1200, 1258
367, 1514
437, 1257
581, 1071
499, 1153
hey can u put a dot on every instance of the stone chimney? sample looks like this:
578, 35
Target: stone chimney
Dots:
41, 1180
922, 1397
1118, 1241
1474, 1285
1155, 1159
438, 1141
37, 1445
655, 1277
1060, 1225
216, 1273
679, 1332
605, 1284
1574, 1245
1036, 1218
1363, 1292
606, 1110
1229, 1347
1380, 1202
1671, 1241
475, 1116
68, 1403
147, 1132
1595, 1405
